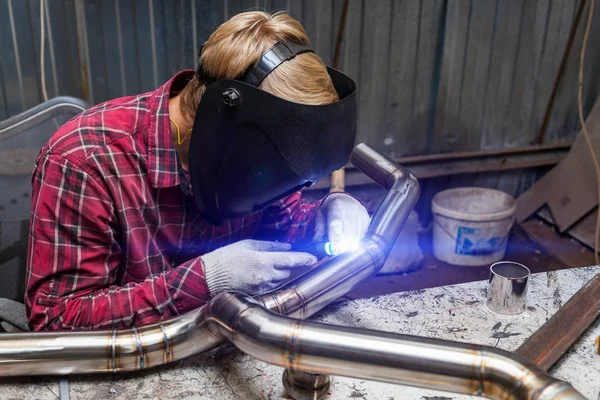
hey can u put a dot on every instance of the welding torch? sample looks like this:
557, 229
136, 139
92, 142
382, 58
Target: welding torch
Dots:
330, 249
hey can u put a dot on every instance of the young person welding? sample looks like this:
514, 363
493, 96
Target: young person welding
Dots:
146, 206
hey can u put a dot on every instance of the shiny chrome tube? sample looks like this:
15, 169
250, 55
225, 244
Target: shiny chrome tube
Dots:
63, 353
415, 361
312, 291
294, 343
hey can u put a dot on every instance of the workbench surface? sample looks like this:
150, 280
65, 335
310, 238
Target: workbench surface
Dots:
453, 312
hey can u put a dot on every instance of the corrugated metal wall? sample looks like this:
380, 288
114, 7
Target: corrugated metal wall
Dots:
433, 75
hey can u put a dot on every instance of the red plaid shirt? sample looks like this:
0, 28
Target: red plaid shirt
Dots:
115, 234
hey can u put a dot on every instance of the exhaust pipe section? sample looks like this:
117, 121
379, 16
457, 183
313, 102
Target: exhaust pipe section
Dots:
264, 328
300, 345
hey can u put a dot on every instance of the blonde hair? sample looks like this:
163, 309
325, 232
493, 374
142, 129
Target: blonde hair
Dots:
238, 44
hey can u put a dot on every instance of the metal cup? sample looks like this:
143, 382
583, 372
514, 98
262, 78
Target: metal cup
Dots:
507, 288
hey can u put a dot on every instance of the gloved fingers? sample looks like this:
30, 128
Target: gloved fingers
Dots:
291, 259
275, 280
263, 245
319, 233
335, 229
362, 224
280, 275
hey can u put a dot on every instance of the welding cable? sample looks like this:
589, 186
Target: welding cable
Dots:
582, 122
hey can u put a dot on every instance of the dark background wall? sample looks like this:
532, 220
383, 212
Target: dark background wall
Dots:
433, 75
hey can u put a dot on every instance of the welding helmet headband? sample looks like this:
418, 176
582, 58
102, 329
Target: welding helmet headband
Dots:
250, 148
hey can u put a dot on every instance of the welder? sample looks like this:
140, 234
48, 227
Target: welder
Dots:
146, 206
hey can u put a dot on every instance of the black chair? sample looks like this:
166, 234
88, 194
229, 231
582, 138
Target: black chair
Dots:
21, 139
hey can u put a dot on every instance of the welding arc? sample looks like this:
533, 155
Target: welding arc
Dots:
583, 126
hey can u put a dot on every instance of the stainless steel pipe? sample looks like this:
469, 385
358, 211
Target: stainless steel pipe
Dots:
507, 288
360, 353
312, 291
242, 320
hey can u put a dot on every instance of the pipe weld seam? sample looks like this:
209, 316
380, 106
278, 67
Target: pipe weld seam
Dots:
277, 303
139, 346
540, 392
375, 251
166, 342
482, 367
290, 345
302, 300
113, 349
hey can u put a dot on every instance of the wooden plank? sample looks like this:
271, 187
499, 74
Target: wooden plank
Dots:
448, 131
374, 68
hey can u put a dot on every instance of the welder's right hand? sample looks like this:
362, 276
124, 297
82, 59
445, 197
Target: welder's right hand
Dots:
252, 266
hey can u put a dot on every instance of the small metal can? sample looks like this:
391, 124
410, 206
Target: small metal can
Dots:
507, 288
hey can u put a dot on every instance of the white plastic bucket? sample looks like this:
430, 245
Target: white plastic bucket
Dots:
471, 225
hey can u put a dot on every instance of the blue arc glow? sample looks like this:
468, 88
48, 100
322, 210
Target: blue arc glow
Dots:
341, 246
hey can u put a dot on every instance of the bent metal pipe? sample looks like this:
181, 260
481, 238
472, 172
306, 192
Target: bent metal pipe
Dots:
408, 360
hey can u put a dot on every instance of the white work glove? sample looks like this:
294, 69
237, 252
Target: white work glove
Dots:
341, 217
252, 266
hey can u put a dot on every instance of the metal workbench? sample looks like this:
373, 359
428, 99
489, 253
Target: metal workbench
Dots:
455, 312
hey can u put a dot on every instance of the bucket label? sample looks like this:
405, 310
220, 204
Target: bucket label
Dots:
477, 242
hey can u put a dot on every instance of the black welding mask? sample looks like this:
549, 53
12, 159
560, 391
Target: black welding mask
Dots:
250, 148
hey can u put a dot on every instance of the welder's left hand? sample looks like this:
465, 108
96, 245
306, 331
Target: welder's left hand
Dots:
341, 217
